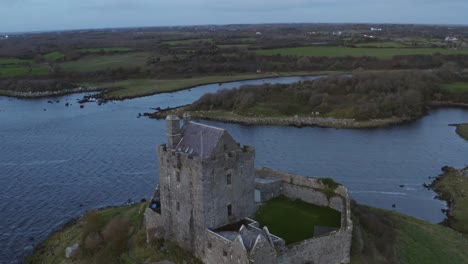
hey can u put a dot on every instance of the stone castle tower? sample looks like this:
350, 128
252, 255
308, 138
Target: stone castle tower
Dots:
206, 180
206, 199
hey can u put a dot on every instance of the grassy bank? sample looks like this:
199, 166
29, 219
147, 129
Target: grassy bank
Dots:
462, 130
383, 53
381, 236
143, 87
114, 235
452, 186
295, 220
298, 121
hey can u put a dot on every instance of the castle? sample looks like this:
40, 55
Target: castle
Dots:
209, 192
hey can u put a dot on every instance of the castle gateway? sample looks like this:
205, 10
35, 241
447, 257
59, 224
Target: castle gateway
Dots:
209, 192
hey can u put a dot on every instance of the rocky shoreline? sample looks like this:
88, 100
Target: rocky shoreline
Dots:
48, 93
297, 121
444, 193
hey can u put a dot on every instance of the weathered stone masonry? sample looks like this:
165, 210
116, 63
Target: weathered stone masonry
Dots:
206, 198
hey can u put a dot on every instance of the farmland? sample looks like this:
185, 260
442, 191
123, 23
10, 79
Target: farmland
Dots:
11, 67
188, 41
104, 62
112, 49
457, 87
383, 53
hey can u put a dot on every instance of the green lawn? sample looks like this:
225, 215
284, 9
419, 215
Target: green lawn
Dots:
104, 62
142, 87
294, 220
110, 49
384, 53
457, 87
54, 56
187, 41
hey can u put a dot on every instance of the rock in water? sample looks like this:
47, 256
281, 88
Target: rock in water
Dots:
70, 250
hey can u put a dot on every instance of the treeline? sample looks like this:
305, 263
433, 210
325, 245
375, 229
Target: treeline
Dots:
364, 96
24, 86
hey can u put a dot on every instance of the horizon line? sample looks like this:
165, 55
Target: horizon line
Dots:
226, 24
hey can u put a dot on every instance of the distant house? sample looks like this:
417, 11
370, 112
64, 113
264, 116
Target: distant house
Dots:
258, 33
453, 42
451, 39
369, 36
375, 29
337, 33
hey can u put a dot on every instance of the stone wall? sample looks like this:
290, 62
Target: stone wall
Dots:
290, 178
153, 225
328, 249
303, 193
331, 248
268, 190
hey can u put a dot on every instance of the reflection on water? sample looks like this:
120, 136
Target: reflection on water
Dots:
57, 164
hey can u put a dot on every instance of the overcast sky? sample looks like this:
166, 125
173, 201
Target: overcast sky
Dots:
34, 15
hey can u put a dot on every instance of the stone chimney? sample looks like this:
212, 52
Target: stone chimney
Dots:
173, 131
186, 118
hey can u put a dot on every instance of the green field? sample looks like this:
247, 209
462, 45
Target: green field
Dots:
187, 41
19, 71
233, 46
142, 87
11, 67
14, 61
390, 44
295, 220
105, 62
244, 39
54, 56
110, 49
383, 53
458, 87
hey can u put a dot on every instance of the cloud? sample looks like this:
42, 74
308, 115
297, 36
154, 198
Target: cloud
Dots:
56, 14
11, 3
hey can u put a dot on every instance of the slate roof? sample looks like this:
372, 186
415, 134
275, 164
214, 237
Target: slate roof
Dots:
199, 139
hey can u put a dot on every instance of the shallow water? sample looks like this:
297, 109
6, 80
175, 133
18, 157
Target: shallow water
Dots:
57, 164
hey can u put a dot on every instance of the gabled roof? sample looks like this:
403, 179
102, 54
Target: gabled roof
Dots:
199, 139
